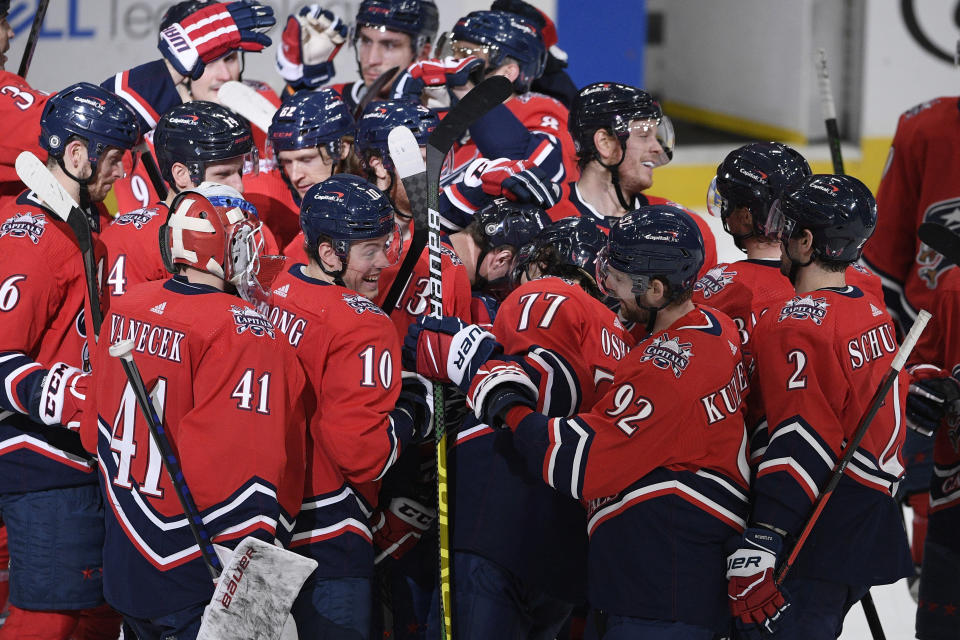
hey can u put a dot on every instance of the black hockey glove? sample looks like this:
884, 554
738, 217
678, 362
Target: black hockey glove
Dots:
416, 400
934, 395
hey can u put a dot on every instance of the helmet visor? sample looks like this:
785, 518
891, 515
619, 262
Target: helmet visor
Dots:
613, 282
251, 162
778, 226
717, 205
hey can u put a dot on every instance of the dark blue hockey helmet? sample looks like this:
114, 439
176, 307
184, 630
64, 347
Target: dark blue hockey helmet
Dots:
90, 112
613, 106
4, 8
501, 35
568, 243
379, 119
655, 242
417, 18
345, 208
839, 211
196, 133
505, 223
754, 176
312, 119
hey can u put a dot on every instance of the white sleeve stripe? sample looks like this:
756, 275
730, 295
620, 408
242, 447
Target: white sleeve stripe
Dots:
797, 428
394, 449
543, 155
326, 531
567, 374
548, 396
132, 101
812, 487
892, 464
13, 375
554, 449
576, 471
326, 502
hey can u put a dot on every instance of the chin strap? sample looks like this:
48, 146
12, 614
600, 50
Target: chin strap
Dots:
614, 170
796, 266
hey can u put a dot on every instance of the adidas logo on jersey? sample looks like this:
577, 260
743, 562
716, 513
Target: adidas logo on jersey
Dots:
874, 311
159, 308
282, 291
803, 308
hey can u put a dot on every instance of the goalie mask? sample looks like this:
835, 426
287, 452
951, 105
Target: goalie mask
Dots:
213, 229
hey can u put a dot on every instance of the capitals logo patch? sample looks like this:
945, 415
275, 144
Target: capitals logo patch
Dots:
138, 218
714, 281
360, 304
930, 264
450, 253
24, 225
803, 308
249, 320
666, 352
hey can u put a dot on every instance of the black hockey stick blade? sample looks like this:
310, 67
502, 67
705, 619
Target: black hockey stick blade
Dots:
373, 91
941, 239
483, 97
406, 156
31, 45
153, 171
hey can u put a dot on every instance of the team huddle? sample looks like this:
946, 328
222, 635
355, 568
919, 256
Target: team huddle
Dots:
635, 436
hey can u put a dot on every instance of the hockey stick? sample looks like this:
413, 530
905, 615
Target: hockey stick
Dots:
245, 101
373, 91
31, 45
829, 111
406, 156
878, 397
941, 239
237, 605
153, 171
38, 179
483, 97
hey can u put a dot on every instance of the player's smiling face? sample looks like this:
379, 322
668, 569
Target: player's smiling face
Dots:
6, 34
215, 75
643, 152
367, 259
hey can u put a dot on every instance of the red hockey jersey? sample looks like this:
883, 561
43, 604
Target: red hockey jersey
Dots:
229, 392
921, 182
820, 357
132, 244
20, 110
42, 291
352, 361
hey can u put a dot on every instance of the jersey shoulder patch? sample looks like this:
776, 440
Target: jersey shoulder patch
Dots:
25, 225
804, 308
138, 218
714, 280
250, 320
668, 353
360, 304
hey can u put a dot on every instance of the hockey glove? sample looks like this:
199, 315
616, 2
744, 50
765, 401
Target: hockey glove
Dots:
416, 400
212, 32
310, 42
60, 396
434, 77
400, 527
447, 350
520, 181
497, 387
934, 395
755, 599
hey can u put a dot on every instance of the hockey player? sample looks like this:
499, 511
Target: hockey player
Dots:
621, 136
660, 458
311, 138
48, 494
820, 357
518, 150
229, 390
262, 189
196, 142
360, 417
527, 541
387, 34
934, 405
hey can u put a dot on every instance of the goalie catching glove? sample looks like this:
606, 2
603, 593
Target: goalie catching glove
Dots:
214, 31
310, 42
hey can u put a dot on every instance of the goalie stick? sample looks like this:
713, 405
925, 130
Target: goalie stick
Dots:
237, 608
38, 179
31, 45
245, 100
